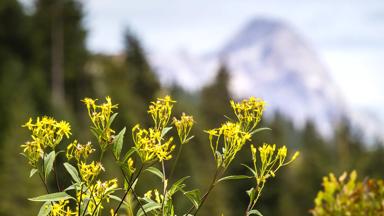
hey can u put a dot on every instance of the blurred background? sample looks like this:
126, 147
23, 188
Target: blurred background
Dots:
318, 64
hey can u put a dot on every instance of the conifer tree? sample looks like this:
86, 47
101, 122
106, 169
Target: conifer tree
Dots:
215, 97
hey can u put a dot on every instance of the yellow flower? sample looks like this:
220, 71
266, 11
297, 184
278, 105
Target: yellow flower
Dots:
130, 165
79, 151
45, 132
90, 171
161, 111
33, 152
59, 208
63, 129
148, 194
227, 141
100, 116
183, 127
249, 112
150, 146
270, 161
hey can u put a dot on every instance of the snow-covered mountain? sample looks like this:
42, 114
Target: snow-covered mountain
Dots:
268, 59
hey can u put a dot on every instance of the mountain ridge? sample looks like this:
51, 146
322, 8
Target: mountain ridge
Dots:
267, 58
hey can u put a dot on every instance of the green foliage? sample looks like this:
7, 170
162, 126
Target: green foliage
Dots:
348, 196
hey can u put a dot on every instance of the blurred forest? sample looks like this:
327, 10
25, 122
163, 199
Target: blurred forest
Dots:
46, 69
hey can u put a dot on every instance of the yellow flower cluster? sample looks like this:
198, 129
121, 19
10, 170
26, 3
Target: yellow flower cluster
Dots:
271, 161
61, 208
230, 138
90, 171
130, 165
96, 194
183, 127
161, 111
157, 196
46, 132
149, 144
249, 112
79, 151
100, 116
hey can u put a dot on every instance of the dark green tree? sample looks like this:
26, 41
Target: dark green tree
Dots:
215, 99
59, 36
142, 78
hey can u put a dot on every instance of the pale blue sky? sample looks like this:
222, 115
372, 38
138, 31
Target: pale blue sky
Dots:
347, 34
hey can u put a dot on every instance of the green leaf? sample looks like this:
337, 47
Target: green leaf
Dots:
51, 197
33, 171
250, 169
61, 151
259, 130
94, 132
155, 171
117, 199
45, 209
178, 185
48, 163
193, 196
111, 119
118, 143
252, 194
128, 154
148, 207
76, 186
188, 139
234, 177
165, 131
72, 171
254, 212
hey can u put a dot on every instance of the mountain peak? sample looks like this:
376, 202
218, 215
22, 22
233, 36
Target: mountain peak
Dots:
258, 29
267, 58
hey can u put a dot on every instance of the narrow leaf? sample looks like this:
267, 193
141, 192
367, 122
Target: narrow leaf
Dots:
45, 209
73, 172
33, 171
51, 197
148, 207
48, 163
193, 196
178, 185
254, 212
259, 130
155, 171
118, 143
234, 177
111, 119
165, 131
188, 139
250, 169
252, 194
128, 154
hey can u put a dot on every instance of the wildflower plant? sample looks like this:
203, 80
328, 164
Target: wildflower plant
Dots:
151, 148
348, 196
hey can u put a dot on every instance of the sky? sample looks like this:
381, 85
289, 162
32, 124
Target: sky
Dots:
348, 35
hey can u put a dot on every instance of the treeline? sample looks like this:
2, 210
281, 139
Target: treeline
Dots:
45, 69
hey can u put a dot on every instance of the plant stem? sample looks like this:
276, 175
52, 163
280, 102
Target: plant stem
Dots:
45, 185
176, 161
55, 174
252, 203
213, 183
101, 156
211, 186
129, 188
80, 200
164, 187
